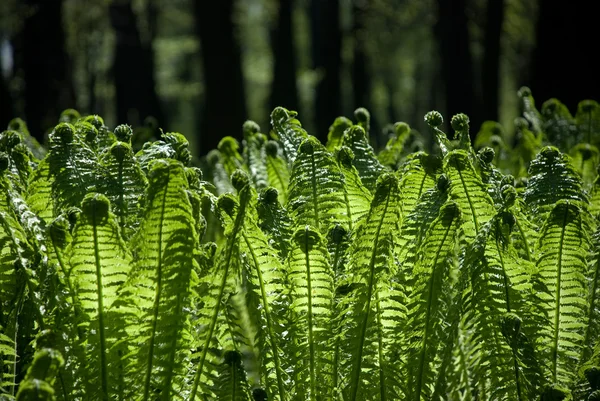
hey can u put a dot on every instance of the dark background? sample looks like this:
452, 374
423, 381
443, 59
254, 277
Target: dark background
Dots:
203, 67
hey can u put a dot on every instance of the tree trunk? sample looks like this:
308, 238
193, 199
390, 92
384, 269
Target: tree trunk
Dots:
564, 60
284, 91
453, 39
133, 69
224, 100
7, 111
46, 67
327, 60
491, 60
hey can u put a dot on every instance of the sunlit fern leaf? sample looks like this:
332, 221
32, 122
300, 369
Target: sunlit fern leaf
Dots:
491, 177
416, 224
528, 146
8, 356
277, 171
161, 285
391, 155
363, 119
335, 135
99, 266
312, 290
491, 133
497, 315
460, 125
469, 192
288, 131
368, 166
426, 325
338, 243
592, 325
371, 312
274, 221
585, 158
217, 173
265, 292
39, 196
87, 134
417, 175
435, 120
552, 178
70, 116
525, 234
105, 138
41, 375
588, 121
73, 168
529, 111
255, 154
198, 195
19, 159
356, 196
172, 145
316, 191
231, 384
230, 156
563, 246
17, 124
559, 126
216, 287
124, 184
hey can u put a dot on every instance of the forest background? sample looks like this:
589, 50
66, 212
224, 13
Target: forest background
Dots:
203, 67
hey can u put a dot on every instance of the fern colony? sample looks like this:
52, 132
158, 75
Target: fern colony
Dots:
294, 270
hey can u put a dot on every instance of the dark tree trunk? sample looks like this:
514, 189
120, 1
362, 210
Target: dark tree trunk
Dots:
224, 101
133, 69
327, 59
7, 110
564, 60
452, 35
45, 66
491, 60
283, 88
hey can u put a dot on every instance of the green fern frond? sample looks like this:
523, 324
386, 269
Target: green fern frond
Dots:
312, 290
39, 196
356, 196
559, 126
124, 184
529, 111
230, 156
288, 131
277, 171
426, 329
274, 221
563, 246
19, 160
335, 136
8, 358
39, 381
391, 155
161, 285
372, 311
316, 191
528, 146
552, 178
585, 158
588, 121
38, 151
172, 145
105, 138
469, 192
592, 325
217, 173
255, 154
368, 166
417, 175
231, 384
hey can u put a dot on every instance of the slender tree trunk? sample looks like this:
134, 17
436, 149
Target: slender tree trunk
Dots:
327, 59
452, 35
7, 111
491, 60
45, 66
284, 91
224, 100
133, 69
564, 60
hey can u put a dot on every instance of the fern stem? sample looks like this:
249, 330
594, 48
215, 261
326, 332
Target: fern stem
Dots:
213, 321
157, 294
357, 367
311, 342
524, 237
427, 318
466, 191
382, 393
558, 294
269, 322
313, 180
101, 331
588, 344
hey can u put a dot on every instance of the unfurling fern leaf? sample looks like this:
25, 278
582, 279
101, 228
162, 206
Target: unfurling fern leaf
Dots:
255, 154
231, 384
427, 327
394, 149
335, 136
99, 266
588, 121
39, 381
563, 247
277, 171
356, 196
161, 286
368, 166
316, 192
288, 131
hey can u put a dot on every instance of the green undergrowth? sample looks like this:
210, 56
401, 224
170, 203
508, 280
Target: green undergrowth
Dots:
288, 269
